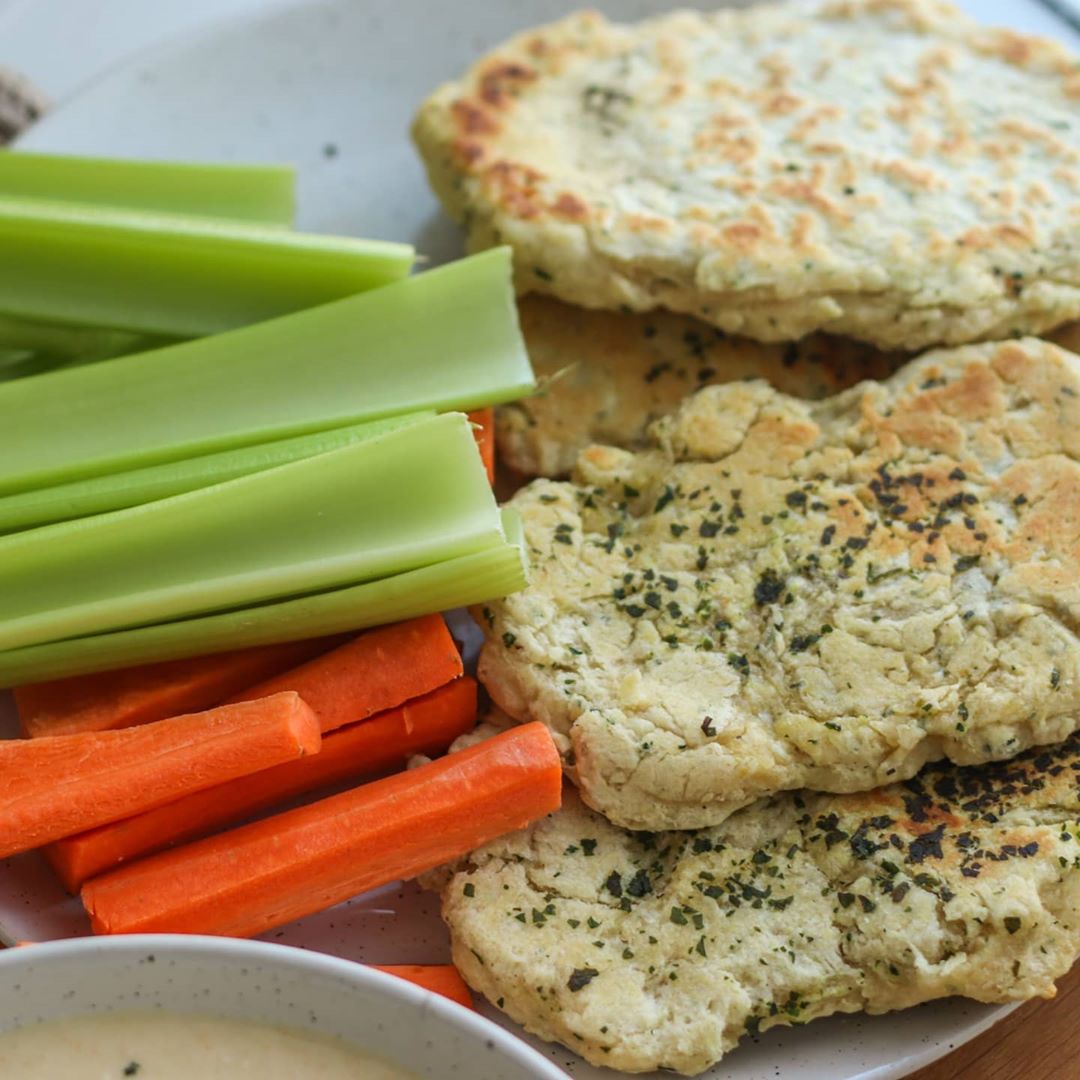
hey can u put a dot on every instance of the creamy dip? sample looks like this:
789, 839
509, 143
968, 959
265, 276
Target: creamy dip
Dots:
174, 1046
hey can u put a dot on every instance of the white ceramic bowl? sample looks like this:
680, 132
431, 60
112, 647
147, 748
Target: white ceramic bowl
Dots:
274, 984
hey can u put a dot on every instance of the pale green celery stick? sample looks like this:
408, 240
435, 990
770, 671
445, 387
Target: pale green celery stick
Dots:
59, 345
117, 491
469, 579
264, 194
401, 500
445, 339
173, 275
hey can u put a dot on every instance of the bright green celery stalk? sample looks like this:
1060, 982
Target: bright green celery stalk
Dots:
406, 498
445, 339
262, 194
117, 491
469, 579
173, 275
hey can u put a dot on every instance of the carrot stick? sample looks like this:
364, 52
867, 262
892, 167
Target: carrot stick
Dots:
268, 873
484, 419
139, 695
56, 787
378, 670
442, 979
424, 726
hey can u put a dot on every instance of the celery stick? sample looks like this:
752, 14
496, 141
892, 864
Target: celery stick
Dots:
264, 194
16, 363
20, 364
117, 491
445, 339
172, 275
469, 579
395, 502
58, 345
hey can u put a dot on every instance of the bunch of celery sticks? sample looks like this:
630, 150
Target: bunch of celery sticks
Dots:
216, 432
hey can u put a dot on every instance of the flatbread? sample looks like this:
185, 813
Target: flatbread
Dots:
645, 951
605, 377
783, 594
882, 169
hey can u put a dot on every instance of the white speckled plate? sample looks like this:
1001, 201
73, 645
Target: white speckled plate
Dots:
331, 87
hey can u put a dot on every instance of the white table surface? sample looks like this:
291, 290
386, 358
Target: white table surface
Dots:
62, 44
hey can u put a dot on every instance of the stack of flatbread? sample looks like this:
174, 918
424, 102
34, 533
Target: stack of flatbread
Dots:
805, 619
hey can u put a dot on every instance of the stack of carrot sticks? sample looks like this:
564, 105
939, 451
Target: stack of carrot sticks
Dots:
132, 804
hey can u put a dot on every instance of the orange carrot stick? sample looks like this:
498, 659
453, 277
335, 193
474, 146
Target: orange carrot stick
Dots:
424, 726
379, 670
442, 979
484, 419
51, 788
140, 695
268, 873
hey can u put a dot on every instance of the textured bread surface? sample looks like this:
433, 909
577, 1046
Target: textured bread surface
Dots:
606, 376
881, 169
643, 951
782, 594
